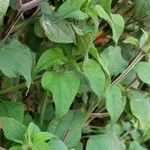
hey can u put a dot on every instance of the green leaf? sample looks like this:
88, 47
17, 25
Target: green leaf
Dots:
13, 130
77, 15
16, 148
32, 131
42, 137
143, 71
49, 58
132, 40
140, 107
3, 8
83, 43
106, 4
16, 59
108, 141
64, 87
12, 109
71, 124
142, 8
115, 21
70, 6
41, 146
96, 76
135, 146
57, 30
56, 144
114, 102
113, 60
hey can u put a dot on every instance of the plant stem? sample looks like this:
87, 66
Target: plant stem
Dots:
128, 69
13, 89
16, 88
30, 5
44, 107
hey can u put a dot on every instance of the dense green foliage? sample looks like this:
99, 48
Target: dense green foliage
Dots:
75, 75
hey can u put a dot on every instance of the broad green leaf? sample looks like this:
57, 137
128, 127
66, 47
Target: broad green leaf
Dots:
96, 76
49, 58
106, 4
16, 148
83, 43
70, 123
108, 141
12, 109
3, 8
113, 60
135, 146
13, 130
114, 102
69, 7
140, 107
16, 59
56, 144
142, 8
64, 87
132, 40
115, 21
41, 146
143, 71
42, 137
57, 30
76, 15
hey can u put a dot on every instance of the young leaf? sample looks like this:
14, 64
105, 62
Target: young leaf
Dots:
49, 58
42, 137
12, 109
71, 124
140, 107
15, 58
57, 30
3, 8
13, 130
132, 40
108, 141
96, 76
143, 71
115, 21
32, 131
64, 87
114, 102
